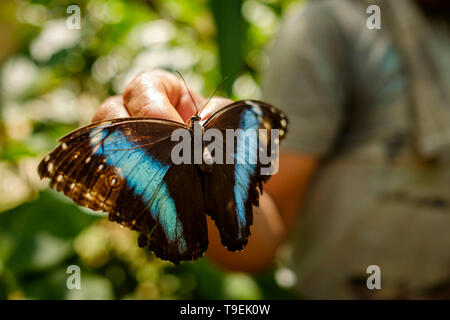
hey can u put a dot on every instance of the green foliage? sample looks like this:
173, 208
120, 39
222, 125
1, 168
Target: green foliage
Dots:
231, 34
35, 241
53, 80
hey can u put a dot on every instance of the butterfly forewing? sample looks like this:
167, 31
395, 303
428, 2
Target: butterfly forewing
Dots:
123, 167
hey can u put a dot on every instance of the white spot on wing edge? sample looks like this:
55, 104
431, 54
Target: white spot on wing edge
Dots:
255, 107
89, 196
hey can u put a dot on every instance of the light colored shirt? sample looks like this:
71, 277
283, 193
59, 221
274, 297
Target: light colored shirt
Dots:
349, 94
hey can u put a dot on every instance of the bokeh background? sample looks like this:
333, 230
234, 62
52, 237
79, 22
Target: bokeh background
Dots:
52, 79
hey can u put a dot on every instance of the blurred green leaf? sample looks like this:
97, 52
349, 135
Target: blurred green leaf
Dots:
41, 232
231, 34
93, 287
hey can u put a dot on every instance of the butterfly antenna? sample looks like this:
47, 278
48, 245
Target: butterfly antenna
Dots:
192, 98
215, 91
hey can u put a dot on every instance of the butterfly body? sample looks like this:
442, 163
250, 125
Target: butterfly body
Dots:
126, 167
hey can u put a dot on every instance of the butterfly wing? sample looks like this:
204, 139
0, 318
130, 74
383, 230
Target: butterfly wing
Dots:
123, 167
232, 189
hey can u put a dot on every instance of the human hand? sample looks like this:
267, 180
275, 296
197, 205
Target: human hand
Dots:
157, 94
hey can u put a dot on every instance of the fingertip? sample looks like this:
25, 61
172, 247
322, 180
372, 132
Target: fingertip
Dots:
153, 94
214, 105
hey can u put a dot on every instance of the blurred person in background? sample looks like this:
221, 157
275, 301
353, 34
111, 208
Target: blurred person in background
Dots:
365, 164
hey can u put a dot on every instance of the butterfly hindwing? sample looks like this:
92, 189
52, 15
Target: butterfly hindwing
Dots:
123, 167
183, 184
232, 189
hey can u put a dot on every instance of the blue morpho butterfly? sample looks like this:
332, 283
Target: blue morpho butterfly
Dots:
124, 167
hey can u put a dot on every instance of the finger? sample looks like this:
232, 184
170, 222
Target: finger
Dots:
214, 105
186, 107
153, 94
111, 108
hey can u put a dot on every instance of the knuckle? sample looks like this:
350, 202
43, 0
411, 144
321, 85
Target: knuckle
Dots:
110, 100
141, 77
154, 76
